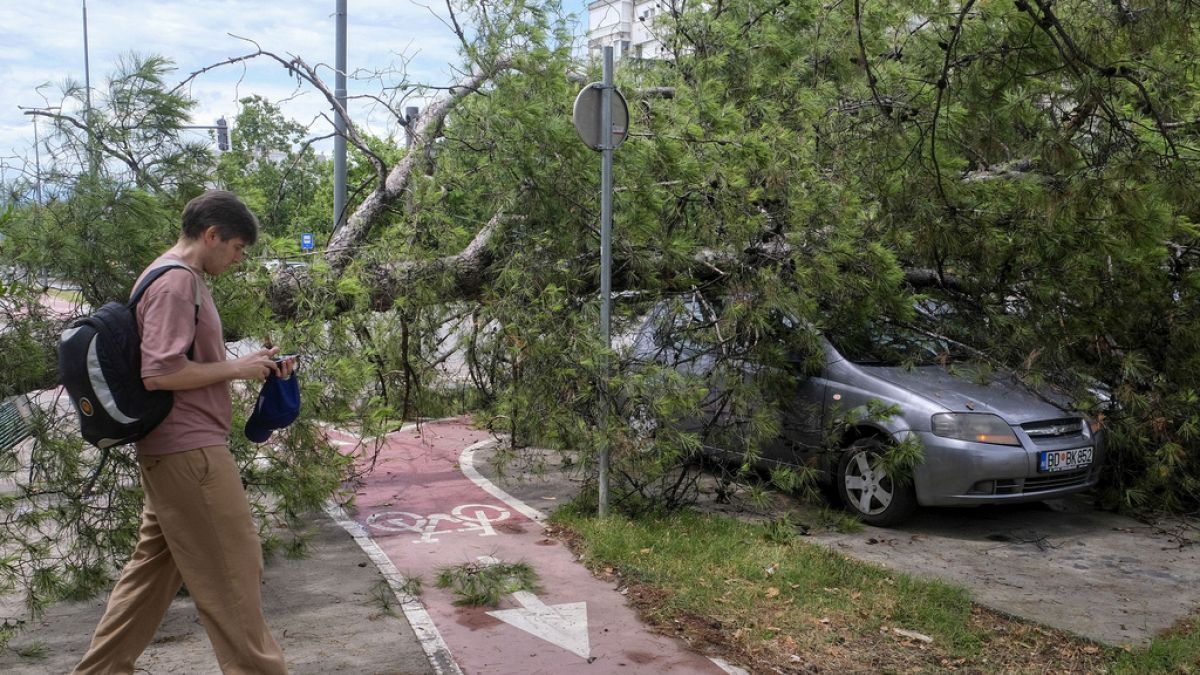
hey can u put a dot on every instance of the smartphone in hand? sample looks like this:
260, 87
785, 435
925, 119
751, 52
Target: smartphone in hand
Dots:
286, 364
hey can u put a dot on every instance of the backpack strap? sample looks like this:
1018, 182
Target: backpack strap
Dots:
156, 271
152, 274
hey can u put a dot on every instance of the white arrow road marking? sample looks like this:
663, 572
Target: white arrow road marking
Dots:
562, 625
466, 462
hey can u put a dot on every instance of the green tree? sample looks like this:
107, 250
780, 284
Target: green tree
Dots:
276, 172
1023, 164
133, 132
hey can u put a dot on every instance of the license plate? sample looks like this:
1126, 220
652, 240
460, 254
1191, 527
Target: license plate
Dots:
1064, 460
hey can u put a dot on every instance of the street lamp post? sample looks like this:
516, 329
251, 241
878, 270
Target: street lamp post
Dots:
87, 93
37, 161
339, 121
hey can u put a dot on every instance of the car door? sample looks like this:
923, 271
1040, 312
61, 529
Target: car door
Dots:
802, 429
668, 340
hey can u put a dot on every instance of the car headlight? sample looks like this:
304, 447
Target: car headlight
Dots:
978, 427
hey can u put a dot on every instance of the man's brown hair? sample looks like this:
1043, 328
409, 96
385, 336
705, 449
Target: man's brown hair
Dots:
221, 209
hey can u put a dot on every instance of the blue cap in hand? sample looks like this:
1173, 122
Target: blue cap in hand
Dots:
278, 406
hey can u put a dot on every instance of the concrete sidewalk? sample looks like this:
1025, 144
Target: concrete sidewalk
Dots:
325, 610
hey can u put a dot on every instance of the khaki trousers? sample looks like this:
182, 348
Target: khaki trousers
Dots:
196, 530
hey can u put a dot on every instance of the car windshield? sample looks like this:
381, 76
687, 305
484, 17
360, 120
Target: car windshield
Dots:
889, 344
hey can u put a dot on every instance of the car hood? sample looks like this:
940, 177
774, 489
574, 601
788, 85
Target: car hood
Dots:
999, 393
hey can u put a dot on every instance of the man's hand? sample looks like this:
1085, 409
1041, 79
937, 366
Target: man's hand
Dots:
286, 364
257, 365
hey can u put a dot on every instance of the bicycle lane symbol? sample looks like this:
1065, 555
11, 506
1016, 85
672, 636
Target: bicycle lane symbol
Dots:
469, 518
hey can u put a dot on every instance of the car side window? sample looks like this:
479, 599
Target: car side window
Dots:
679, 329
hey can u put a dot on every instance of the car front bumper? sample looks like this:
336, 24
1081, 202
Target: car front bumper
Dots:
965, 473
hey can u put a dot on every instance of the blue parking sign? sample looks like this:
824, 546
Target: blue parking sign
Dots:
306, 241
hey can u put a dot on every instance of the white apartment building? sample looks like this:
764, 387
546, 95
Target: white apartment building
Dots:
627, 26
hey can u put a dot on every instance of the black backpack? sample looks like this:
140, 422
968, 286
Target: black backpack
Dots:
100, 364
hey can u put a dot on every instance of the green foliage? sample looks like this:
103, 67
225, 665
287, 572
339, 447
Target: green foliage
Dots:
483, 584
278, 176
29, 362
412, 586
98, 239
132, 134
383, 596
782, 530
1039, 186
33, 650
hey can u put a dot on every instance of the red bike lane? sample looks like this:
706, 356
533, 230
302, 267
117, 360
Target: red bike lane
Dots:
425, 514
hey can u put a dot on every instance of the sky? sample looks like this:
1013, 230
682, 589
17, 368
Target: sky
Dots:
41, 46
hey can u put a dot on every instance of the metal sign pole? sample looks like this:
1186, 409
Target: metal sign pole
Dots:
601, 116
606, 189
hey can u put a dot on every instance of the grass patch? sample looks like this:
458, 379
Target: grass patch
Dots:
34, 650
773, 601
480, 584
1177, 651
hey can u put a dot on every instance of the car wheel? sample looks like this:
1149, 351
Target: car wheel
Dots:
866, 488
643, 426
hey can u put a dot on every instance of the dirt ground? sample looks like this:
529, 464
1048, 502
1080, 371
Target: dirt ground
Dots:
324, 611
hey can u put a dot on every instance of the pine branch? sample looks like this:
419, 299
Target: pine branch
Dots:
1073, 55
942, 83
305, 73
141, 176
374, 208
866, 62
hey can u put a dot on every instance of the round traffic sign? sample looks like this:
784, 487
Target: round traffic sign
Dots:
586, 116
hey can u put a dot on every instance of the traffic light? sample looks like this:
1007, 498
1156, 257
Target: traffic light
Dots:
222, 135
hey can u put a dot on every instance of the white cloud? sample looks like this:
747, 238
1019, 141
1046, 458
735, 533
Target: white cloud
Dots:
42, 42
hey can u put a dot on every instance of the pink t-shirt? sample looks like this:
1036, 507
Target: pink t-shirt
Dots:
167, 319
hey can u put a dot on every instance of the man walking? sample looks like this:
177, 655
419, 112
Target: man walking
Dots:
196, 524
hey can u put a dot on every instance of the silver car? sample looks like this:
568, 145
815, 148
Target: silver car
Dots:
986, 438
